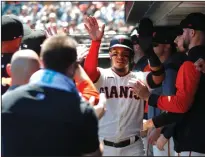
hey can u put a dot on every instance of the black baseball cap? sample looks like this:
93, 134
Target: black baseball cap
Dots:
162, 37
194, 21
121, 41
11, 27
179, 30
135, 39
146, 27
33, 40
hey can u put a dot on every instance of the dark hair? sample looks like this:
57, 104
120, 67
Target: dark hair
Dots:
58, 53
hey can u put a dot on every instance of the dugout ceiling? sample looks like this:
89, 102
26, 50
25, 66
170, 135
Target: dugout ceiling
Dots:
161, 13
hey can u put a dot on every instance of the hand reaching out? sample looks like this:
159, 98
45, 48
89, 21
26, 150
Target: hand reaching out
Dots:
161, 142
148, 124
139, 89
82, 52
200, 65
91, 25
100, 107
153, 136
51, 30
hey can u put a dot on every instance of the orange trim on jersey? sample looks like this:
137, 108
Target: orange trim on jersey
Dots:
187, 81
87, 89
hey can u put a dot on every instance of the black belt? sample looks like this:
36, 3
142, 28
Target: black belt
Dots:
120, 144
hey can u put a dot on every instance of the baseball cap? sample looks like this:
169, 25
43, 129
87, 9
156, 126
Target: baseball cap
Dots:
11, 27
162, 38
135, 39
33, 40
179, 31
145, 27
194, 21
121, 41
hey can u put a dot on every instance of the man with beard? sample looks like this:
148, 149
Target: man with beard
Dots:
186, 107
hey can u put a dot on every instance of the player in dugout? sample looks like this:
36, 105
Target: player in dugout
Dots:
119, 128
186, 107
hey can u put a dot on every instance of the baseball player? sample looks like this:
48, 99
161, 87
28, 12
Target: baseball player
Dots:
119, 128
186, 107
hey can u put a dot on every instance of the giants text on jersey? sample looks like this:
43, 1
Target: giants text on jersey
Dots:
124, 110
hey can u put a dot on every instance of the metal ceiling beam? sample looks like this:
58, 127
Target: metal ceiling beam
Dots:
162, 11
135, 11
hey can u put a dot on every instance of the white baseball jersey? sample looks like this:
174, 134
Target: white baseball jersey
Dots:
124, 115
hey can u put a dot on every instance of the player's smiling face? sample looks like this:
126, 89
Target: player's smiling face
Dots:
120, 57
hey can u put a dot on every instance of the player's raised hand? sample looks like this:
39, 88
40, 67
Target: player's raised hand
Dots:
52, 30
91, 25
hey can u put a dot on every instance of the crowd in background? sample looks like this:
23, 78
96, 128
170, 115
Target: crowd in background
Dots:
69, 15
175, 76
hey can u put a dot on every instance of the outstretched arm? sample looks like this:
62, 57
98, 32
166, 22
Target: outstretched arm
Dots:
91, 61
187, 81
89, 92
155, 78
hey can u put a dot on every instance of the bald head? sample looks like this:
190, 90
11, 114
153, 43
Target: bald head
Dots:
23, 64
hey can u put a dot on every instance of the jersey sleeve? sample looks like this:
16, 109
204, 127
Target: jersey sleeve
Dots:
87, 89
168, 85
186, 84
167, 118
91, 61
168, 131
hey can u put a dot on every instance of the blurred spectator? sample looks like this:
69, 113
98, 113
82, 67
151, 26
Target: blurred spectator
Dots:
69, 14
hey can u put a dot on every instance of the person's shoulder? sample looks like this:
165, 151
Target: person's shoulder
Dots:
10, 98
28, 90
175, 61
17, 92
